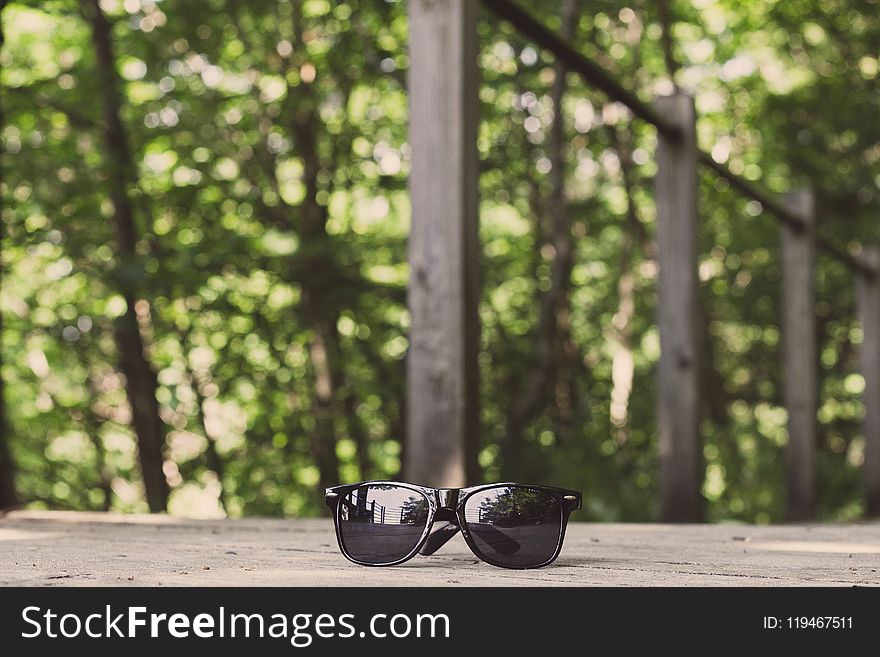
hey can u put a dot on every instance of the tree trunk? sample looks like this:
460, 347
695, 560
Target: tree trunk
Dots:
320, 314
323, 442
8, 497
140, 378
664, 13
622, 368
536, 394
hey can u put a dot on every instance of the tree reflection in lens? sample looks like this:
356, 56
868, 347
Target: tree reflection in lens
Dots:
513, 525
382, 523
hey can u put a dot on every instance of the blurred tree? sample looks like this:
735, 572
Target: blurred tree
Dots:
8, 497
140, 379
204, 209
553, 238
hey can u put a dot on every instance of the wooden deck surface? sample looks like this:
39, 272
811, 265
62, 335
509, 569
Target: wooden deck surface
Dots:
90, 549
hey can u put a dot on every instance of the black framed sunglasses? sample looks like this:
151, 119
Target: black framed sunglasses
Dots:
384, 523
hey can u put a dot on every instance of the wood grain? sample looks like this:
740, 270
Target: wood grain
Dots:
800, 355
442, 375
678, 397
91, 549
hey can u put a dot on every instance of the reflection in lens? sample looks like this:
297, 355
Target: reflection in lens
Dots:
382, 523
513, 525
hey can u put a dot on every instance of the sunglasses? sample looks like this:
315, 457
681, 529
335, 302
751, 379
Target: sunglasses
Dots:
384, 523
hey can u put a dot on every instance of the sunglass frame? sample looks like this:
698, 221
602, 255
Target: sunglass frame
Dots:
453, 500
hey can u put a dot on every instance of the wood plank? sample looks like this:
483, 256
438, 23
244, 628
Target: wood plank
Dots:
678, 407
442, 374
92, 549
868, 301
800, 355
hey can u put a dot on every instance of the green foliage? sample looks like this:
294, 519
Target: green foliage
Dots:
220, 98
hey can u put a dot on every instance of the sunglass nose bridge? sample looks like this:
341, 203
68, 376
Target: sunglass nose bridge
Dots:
446, 515
447, 498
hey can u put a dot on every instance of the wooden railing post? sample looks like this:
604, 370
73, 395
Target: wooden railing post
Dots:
800, 355
678, 412
442, 374
868, 300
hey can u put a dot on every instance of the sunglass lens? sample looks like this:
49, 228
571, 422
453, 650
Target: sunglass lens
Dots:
514, 526
380, 524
